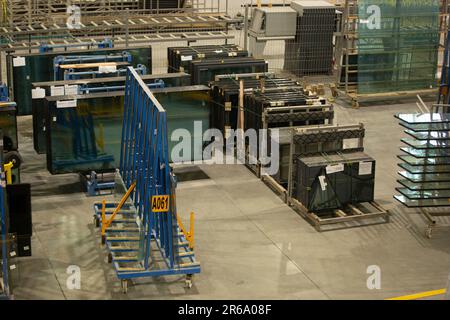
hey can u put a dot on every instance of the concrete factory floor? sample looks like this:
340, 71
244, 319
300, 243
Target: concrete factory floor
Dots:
250, 244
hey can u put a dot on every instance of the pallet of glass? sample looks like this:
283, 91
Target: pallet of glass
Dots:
24, 69
87, 86
203, 72
425, 166
391, 57
180, 58
326, 142
225, 97
83, 131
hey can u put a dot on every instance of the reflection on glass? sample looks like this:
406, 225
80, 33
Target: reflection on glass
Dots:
431, 135
429, 144
424, 118
422, 203
425, 169
426, 177
425, 185
428, 153
418, 195
413, 161
96, 85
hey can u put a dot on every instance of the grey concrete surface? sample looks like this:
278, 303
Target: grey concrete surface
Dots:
250, 244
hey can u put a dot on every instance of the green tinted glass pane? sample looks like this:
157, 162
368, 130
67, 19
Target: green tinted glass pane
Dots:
417, 195
422, 203
425, 169
397, 45
425, 185
413, 161
426, 177
430, 144
39, 68
431, 153
98, 85
88, 137
431, 135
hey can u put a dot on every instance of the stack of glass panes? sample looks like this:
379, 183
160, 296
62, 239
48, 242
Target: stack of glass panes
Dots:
311, 52
426, 163
397, 45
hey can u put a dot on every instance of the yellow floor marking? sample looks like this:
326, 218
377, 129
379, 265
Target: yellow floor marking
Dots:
421, 295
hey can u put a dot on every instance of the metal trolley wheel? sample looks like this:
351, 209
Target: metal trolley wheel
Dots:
189, 281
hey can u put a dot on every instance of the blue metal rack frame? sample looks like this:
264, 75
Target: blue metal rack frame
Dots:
64, 60
144, 243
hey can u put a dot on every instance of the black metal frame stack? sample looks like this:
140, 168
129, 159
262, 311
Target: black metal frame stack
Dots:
311, 52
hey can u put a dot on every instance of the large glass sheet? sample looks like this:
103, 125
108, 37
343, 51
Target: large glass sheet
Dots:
397, 45
424, 145
91, 86
425, 169
417, 195
422, 203
426, 177
88, 137
39, 67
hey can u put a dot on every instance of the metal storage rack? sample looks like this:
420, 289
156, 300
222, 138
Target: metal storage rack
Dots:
27, 27
425, 166
146, 239
346, 56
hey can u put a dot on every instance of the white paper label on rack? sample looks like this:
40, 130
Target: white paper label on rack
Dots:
186, 58
38, 93
66, 104
335, 168
56, 91
19, 62
70, 90
365, 168
107, 69
26, 248
12, 253
351, 143
323, 183
13, 267
218, 51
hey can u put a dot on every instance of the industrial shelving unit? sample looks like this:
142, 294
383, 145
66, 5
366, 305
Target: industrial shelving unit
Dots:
122, 24
425, 166
346, 55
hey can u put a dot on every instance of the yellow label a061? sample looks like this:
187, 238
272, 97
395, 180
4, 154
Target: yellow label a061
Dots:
160, 203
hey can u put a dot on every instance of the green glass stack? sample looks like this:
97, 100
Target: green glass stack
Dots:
39, 67
397, 45
88, 137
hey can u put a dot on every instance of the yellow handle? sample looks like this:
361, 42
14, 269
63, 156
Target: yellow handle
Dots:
107, 224
8, 170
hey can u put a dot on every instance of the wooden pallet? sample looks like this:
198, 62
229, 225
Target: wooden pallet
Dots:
354, 214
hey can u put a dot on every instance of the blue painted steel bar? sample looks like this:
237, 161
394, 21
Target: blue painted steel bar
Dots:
77, 75
158, 84
64, 60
